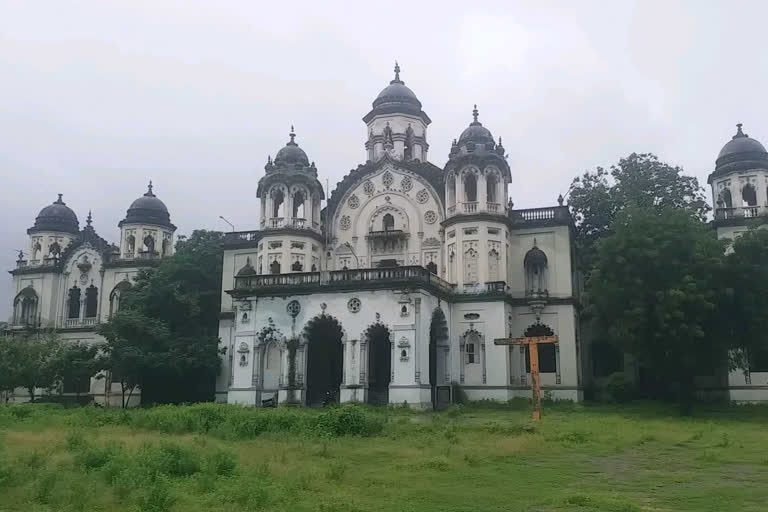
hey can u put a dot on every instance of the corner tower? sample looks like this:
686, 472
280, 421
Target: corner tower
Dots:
397, 125
476, 236
146, 232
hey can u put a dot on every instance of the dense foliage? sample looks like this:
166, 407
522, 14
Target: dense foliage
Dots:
164, 338
640, 180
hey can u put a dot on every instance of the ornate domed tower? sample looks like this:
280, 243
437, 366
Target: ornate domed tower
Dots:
55, 227
396, 125
476, 180
290, 195
739, 183
146, 232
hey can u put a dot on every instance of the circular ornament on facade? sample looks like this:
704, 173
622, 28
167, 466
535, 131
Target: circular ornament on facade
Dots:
387, 179
345, 222
354, 305
293, 308
422, 196
368, 188
406, 183
430, 217
353, 202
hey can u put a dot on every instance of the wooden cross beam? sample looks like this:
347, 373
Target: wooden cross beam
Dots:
533, 343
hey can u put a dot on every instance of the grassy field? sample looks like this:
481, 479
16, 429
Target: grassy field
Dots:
207, 457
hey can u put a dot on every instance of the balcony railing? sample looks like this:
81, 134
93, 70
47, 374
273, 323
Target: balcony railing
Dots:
743, 212
143, 255
388, 233
541, 215
80, 322
294, 223
494, 207
470, 207
44, 262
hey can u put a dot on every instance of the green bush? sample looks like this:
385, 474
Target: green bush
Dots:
221, 463
157, 497
167, 459
618, 388
95, 456
348, 420
458, 393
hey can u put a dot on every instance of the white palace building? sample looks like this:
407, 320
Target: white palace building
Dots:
391, 291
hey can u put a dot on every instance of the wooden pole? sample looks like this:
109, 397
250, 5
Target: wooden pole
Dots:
535, 385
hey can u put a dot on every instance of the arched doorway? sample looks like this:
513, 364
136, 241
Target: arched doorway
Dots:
325, 361
438, 333
379, 364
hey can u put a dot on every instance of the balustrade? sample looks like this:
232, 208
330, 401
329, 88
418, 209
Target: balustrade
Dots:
470, 207
494, 207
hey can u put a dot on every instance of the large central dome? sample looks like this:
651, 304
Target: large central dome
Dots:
397, 98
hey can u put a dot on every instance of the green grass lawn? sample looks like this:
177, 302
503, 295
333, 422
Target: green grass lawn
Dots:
602, 458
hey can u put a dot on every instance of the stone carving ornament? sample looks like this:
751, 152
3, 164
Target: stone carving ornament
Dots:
293, 308
422, 196
430, 217
345, 222
406, 183
353, 202
387, 179
368, 188
354, 305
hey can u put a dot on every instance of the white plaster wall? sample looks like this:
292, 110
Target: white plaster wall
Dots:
556, 244
477, 234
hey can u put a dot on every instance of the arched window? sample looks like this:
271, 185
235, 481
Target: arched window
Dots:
535, 271
149, 244
166, 247
493, 265
54, 250
277, 203
547, 351
432, 267
472, 348
451, 182
91, 302
36, 250
298, 205
115, 296
130, 245
274, 267
297, 266
470, 267
725, 198
271, 367
73, 303
388, 222
492, 184
749, 195
470, 187
408, 147
25, 307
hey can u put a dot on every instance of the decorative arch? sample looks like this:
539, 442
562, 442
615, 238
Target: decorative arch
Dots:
73, 302
324, 338
25, 307
470, 181
547, 351
725, 198
375, 220
116, 294
439, 352
377, 345
472, 350
536, 270
749, 195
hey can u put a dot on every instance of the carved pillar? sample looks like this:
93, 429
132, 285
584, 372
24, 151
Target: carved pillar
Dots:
258, 349
363, 360
482, 192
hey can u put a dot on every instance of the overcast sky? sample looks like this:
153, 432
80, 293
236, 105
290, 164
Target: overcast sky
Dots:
98, 97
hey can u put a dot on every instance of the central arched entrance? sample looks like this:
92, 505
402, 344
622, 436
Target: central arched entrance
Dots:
325, 360
379, 364
438, 333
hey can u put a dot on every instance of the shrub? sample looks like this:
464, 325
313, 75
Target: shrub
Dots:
157, 497
221, 463
167, 459
618, 388
348, 420
94, 456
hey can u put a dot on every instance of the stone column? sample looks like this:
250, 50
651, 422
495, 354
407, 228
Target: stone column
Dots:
482, 192
417, 341
523, 378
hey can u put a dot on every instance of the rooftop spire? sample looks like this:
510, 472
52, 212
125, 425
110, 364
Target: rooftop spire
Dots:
59, 201
739, 133
475, 113
292, 135
149, 190
397, 75
89, 220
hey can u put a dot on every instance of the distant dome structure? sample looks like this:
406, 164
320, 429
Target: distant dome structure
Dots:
148, 209
476, 133
741, 153
397, 98
291, 154
56, 217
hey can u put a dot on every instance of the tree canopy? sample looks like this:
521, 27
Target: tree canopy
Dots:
655, 289
164, 338
639, 180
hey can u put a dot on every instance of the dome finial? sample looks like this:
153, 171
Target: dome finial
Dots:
89, 220
739, 133
292, 135
475, 113
149, 190
59, 201
397, 75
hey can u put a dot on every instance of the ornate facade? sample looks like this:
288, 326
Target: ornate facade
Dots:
70, 279
399, 286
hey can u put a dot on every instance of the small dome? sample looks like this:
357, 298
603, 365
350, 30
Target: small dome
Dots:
476, 133
148, 209
56, 217
396, 98
535, 258
291, 154
741, 152
247, 269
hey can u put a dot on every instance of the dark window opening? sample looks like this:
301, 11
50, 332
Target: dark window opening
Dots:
73, 303
91, 301
274, 267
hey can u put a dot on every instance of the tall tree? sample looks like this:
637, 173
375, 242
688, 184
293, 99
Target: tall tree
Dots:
639, 180
178, 359
76, 363
654, 292
37, 364
10, 364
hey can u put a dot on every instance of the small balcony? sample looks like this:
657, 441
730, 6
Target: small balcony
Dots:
289, 223
471, 207
70, 323
44, 262
739, 213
